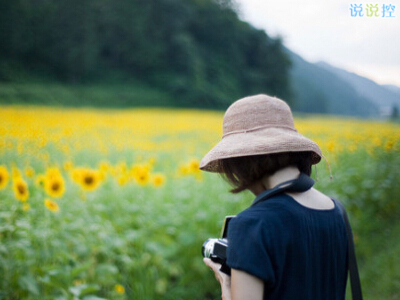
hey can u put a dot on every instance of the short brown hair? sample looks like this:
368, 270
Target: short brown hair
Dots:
242, 172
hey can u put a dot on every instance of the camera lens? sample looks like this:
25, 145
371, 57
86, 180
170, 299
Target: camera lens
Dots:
208, 247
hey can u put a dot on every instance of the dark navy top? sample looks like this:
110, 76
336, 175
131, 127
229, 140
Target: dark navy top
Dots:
300, 253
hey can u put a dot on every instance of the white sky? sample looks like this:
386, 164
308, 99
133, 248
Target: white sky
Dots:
322, 30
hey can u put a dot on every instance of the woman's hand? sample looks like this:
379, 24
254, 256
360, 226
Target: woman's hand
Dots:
223, 279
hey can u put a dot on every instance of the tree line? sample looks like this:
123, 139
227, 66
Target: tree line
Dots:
199, 51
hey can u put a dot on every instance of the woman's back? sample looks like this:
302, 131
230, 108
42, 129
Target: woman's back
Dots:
299, 252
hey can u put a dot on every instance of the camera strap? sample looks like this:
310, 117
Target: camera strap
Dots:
355, 283
298, 185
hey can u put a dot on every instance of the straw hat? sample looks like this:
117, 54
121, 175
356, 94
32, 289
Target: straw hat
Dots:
258, 125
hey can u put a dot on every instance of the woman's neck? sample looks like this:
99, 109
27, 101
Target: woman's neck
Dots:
268, 182
280, 176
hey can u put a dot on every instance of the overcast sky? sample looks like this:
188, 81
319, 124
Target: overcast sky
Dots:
322, 30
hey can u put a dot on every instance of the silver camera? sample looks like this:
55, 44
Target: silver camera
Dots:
215, 249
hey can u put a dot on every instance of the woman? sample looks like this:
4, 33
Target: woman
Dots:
288, 245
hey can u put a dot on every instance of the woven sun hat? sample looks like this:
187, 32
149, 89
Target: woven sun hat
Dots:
258, 125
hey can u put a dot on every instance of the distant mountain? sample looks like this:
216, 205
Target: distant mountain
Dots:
384, 97
393, 88
317, 90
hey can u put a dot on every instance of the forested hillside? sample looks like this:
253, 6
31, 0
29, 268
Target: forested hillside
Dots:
317, 90
197, 51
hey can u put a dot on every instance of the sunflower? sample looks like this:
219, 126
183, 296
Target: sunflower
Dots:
89, 179
389, 145
29, 172
68, 166
119, 288
141, 173
15, 172
158, 179
54, 186
51, 205
39, 180
53, 172
76, 174
190, 168
104, 166
123, 179
194, 166
183, 170
20, 189
3, 177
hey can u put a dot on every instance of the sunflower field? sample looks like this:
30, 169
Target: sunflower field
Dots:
110, 204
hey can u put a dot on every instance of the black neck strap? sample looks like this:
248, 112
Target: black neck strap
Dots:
300, 184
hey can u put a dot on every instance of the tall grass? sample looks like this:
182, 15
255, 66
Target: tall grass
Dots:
124, 94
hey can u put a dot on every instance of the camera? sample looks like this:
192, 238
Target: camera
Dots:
216, 248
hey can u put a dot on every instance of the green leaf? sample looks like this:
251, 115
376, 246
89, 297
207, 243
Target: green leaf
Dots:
28, 283
91, 297
83, 289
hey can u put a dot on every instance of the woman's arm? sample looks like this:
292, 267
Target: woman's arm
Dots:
242, 286
245, 286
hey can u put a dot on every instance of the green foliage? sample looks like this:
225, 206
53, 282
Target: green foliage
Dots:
148, 240
139, 237
367, 183
96, 94
199, 52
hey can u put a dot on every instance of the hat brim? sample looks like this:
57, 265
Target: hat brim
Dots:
265, 141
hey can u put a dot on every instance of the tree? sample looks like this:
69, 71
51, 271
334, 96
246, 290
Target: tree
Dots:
197, 50
395, 113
